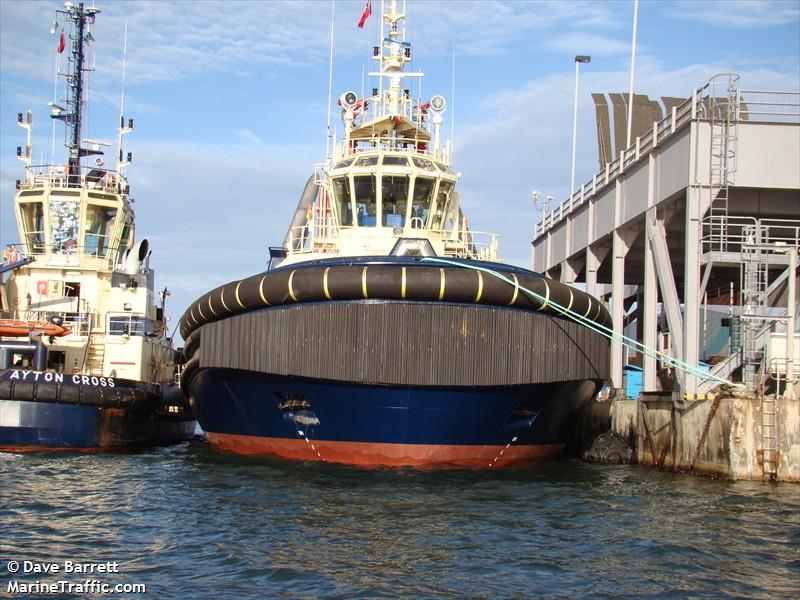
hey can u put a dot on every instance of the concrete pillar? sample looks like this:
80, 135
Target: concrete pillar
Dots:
649, 316
791, 324
592, 265
622, 241
691, 287
548, 252
650, 295
568, 273
570, 269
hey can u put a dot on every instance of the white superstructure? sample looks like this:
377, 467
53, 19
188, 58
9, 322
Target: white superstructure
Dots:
389, 178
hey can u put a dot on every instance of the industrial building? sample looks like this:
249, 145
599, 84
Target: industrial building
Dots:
691, 234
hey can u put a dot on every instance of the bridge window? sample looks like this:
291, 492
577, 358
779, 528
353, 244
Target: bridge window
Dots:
424, 163
33, 226
421, 201
129, 324
366, 161
64, 218
395, 160
366, 200
344, 163
341, 192
99, 225
124, 241
442, 219
395, 200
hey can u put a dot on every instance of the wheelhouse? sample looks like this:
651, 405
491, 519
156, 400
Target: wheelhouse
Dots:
393, 190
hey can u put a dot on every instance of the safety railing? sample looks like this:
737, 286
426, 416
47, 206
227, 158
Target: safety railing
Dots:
60, 176
769, 106
71, 253
80, 323
732, 233
464, 243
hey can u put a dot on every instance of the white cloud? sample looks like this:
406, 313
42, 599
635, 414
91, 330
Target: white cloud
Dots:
245, 135
738, 14
587, 43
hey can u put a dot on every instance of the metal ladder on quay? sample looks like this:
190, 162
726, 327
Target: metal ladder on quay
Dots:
769, 436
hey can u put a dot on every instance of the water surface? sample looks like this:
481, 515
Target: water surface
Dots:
191, 524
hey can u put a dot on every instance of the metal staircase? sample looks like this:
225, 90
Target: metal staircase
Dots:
96, 354
754, 281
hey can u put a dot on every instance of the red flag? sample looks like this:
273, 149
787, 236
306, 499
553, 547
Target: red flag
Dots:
367, 12
61, 43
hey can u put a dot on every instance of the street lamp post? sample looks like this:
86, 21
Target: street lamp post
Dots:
581, 58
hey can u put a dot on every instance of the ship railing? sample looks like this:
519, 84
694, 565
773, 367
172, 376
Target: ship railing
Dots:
464, 243
707, 102
80, 323
475, 245
380, 107
69, 253
386, 143
58, 176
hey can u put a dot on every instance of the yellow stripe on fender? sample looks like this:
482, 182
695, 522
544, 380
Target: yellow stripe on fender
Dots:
261, 289
236, 293
222, 300
546, 295
441, 283
516, 290
403, 283
480, 287
291, 291
325, 283
364, 282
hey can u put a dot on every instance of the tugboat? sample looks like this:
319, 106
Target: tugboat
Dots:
85, 361
386, 332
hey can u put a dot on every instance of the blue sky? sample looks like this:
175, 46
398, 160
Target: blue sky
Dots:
230, 103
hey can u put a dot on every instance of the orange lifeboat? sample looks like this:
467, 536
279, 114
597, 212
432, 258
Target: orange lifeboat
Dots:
11, 328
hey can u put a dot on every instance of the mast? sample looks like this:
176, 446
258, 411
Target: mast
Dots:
80, 18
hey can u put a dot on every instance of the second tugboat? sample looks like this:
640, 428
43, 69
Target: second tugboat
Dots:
385, 332
85, 362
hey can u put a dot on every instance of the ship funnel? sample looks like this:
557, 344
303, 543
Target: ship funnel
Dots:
135, 257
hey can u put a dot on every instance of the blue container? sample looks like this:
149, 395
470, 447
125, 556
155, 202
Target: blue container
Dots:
633, 381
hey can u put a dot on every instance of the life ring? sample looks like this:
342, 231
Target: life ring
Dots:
16, 301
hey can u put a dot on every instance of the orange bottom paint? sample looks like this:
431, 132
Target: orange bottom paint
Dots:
371, 454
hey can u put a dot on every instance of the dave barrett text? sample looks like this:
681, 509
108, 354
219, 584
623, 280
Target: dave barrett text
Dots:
67, 567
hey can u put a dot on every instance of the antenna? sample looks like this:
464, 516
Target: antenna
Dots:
122, 131
330, 84
452, 109
80, 18
57, 63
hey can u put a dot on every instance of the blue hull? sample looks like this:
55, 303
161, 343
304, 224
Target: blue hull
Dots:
251, 413
48, 426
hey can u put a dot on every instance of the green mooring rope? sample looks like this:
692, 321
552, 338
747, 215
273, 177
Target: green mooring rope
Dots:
596, 327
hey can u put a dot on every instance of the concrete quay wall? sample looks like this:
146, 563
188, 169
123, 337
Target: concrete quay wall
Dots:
719, 437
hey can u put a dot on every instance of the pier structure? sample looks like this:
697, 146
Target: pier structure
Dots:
692, 235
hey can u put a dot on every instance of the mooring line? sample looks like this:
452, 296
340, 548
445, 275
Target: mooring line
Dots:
597, 327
